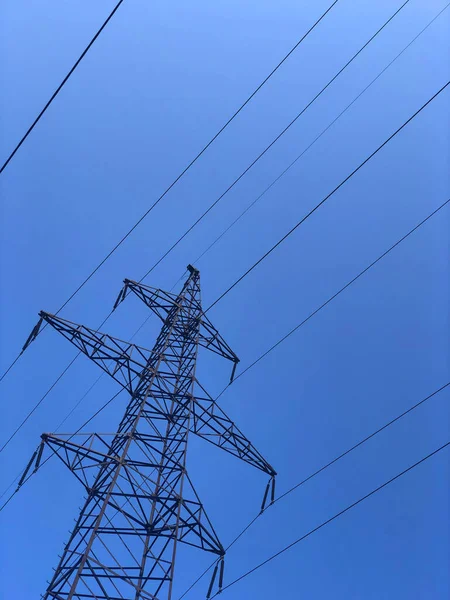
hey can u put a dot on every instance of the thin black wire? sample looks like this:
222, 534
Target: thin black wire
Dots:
130, 231
344, 287
77, 404
230, 187
197, 157
5, 373
39, 332
36, 406
72, 410
316, 139
59, 88
48, 458
60, 376
323, 468
312, 211
312, 143
334, 517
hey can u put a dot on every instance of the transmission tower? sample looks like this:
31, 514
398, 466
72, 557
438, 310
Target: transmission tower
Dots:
140, 502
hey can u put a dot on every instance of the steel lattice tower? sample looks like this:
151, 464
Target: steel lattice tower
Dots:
140, 502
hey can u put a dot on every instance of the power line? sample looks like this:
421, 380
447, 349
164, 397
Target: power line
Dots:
334, 517
59, 88
347, 285
38, 333
49, 457
148, 211
312, 211
321, 470
39, 402
36, 406
316, 139
88, 47
5, 373
311, 144
72, 410
186, 169
230, 187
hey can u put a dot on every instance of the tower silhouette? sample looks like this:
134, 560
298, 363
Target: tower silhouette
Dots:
140, 502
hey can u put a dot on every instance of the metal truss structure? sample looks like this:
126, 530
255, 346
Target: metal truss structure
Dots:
140, 502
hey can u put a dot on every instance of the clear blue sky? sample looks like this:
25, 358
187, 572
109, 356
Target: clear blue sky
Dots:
156, 86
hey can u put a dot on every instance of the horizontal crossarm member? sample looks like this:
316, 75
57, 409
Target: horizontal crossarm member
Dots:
212, 424
123, 361
161, 302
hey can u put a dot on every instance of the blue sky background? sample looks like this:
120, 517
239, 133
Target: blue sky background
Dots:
156, 86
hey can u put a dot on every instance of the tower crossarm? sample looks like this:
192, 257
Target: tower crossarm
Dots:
92, 462
160, 302
123, 361
212, 424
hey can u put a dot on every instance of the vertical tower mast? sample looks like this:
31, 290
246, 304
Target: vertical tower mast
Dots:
140, 501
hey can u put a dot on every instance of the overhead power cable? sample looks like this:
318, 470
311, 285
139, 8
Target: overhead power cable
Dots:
272, 143
59, 88
315, 473
316, 139
177, 179
336, 294
270, 186
333, 518
88, 47
102, 408
36, 406
338, 187
44, 396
